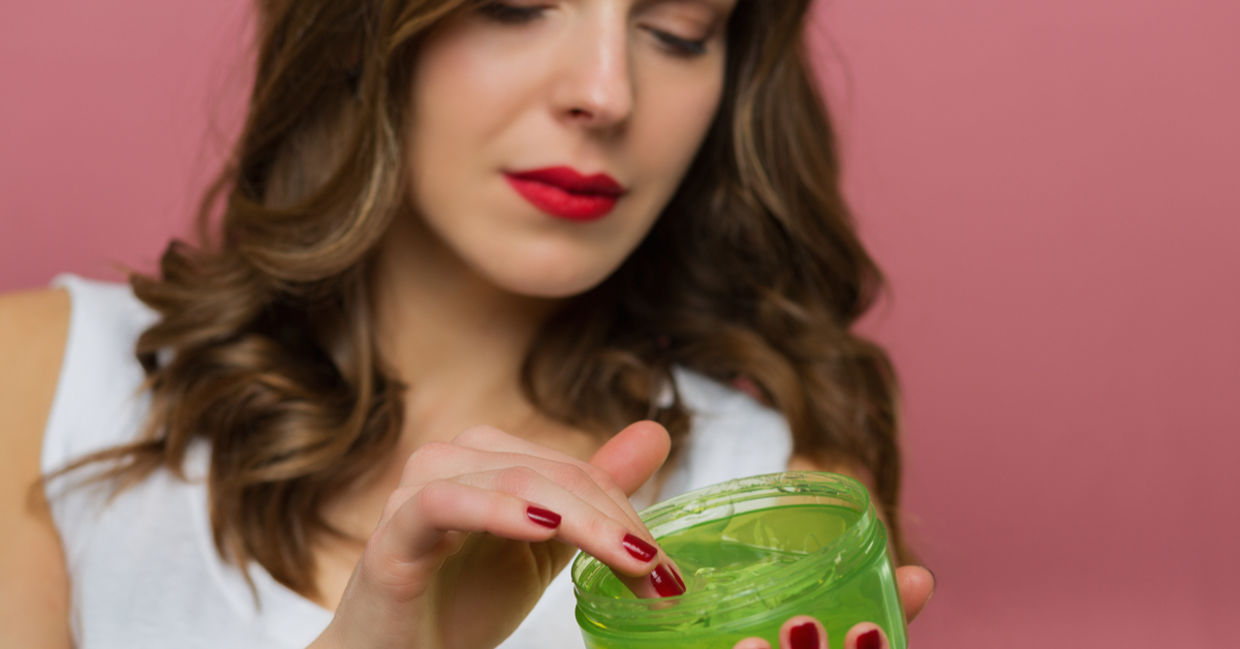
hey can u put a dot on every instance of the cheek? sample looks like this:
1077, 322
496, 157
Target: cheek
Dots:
461, 91
676, 121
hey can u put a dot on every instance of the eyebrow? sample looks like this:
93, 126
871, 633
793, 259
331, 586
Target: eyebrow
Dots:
716, 4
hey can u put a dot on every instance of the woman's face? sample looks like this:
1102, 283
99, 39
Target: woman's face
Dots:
545, 137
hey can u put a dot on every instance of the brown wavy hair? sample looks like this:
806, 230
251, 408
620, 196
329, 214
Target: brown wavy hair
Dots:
264, 348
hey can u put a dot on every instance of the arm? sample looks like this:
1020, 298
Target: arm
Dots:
34, 588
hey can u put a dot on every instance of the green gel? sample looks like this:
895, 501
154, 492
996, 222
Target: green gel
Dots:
748, 572
718, 554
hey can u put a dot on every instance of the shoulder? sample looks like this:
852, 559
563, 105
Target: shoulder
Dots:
34, 597
97, 381
33, 329
68, 375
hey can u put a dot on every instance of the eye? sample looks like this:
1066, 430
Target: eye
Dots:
678, 46
509, 14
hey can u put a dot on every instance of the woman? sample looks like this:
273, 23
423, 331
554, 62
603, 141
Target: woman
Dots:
555, 218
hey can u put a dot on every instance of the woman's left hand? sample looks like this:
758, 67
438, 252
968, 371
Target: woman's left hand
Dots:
804, 632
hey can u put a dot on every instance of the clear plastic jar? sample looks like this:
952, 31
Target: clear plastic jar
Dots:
753, 552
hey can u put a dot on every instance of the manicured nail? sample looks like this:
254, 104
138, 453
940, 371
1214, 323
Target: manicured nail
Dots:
640, 549
666, 582
803, 636
870, 640
543, 517
679, 581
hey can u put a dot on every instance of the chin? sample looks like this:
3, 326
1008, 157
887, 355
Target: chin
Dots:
549, 280
542, 287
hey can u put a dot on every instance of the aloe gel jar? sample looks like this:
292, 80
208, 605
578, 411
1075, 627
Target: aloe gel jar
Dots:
753, 552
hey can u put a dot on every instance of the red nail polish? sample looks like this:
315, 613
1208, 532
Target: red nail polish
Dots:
870, 640
543, 517
803, 636
666, 583
639, 548
676, 576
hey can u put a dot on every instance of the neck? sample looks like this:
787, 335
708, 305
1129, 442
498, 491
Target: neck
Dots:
455, 339
457, 342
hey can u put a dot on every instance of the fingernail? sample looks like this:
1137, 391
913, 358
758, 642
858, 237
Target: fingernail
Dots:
870, 640
640, 549
666, 582
803, 636
543, 517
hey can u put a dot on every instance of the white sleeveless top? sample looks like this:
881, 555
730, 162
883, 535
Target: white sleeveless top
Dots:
143, 569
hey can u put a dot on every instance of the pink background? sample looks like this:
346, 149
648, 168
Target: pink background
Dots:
1051, 187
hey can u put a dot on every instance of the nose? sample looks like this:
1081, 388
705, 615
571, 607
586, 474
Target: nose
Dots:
595, 86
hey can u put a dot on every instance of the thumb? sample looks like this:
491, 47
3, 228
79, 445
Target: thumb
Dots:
916, 586
634, 454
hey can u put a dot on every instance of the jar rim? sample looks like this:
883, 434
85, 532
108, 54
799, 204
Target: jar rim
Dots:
722, 500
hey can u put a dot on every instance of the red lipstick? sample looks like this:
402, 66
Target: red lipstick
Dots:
563, 192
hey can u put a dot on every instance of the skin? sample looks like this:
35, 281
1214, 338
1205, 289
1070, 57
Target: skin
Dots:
462, 283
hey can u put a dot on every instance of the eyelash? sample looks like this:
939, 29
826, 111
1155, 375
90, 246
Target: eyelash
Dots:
512, 15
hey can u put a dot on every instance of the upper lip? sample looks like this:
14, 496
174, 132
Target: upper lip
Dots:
571, 180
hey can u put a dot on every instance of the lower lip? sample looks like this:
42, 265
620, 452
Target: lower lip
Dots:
563, 204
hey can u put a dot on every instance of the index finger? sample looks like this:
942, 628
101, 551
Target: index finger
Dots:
635, 453
619, 468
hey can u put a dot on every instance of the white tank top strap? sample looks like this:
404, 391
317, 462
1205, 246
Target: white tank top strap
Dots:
97, 402
97, 394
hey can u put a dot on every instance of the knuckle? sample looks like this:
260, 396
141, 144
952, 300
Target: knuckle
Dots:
433, 496
575, 479
395, 501
600, 527
423, 461
518, 479
617, 494
602, 479
497, 508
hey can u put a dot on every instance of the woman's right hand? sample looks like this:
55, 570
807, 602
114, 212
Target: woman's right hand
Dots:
478, 528
805, 632
916, 585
